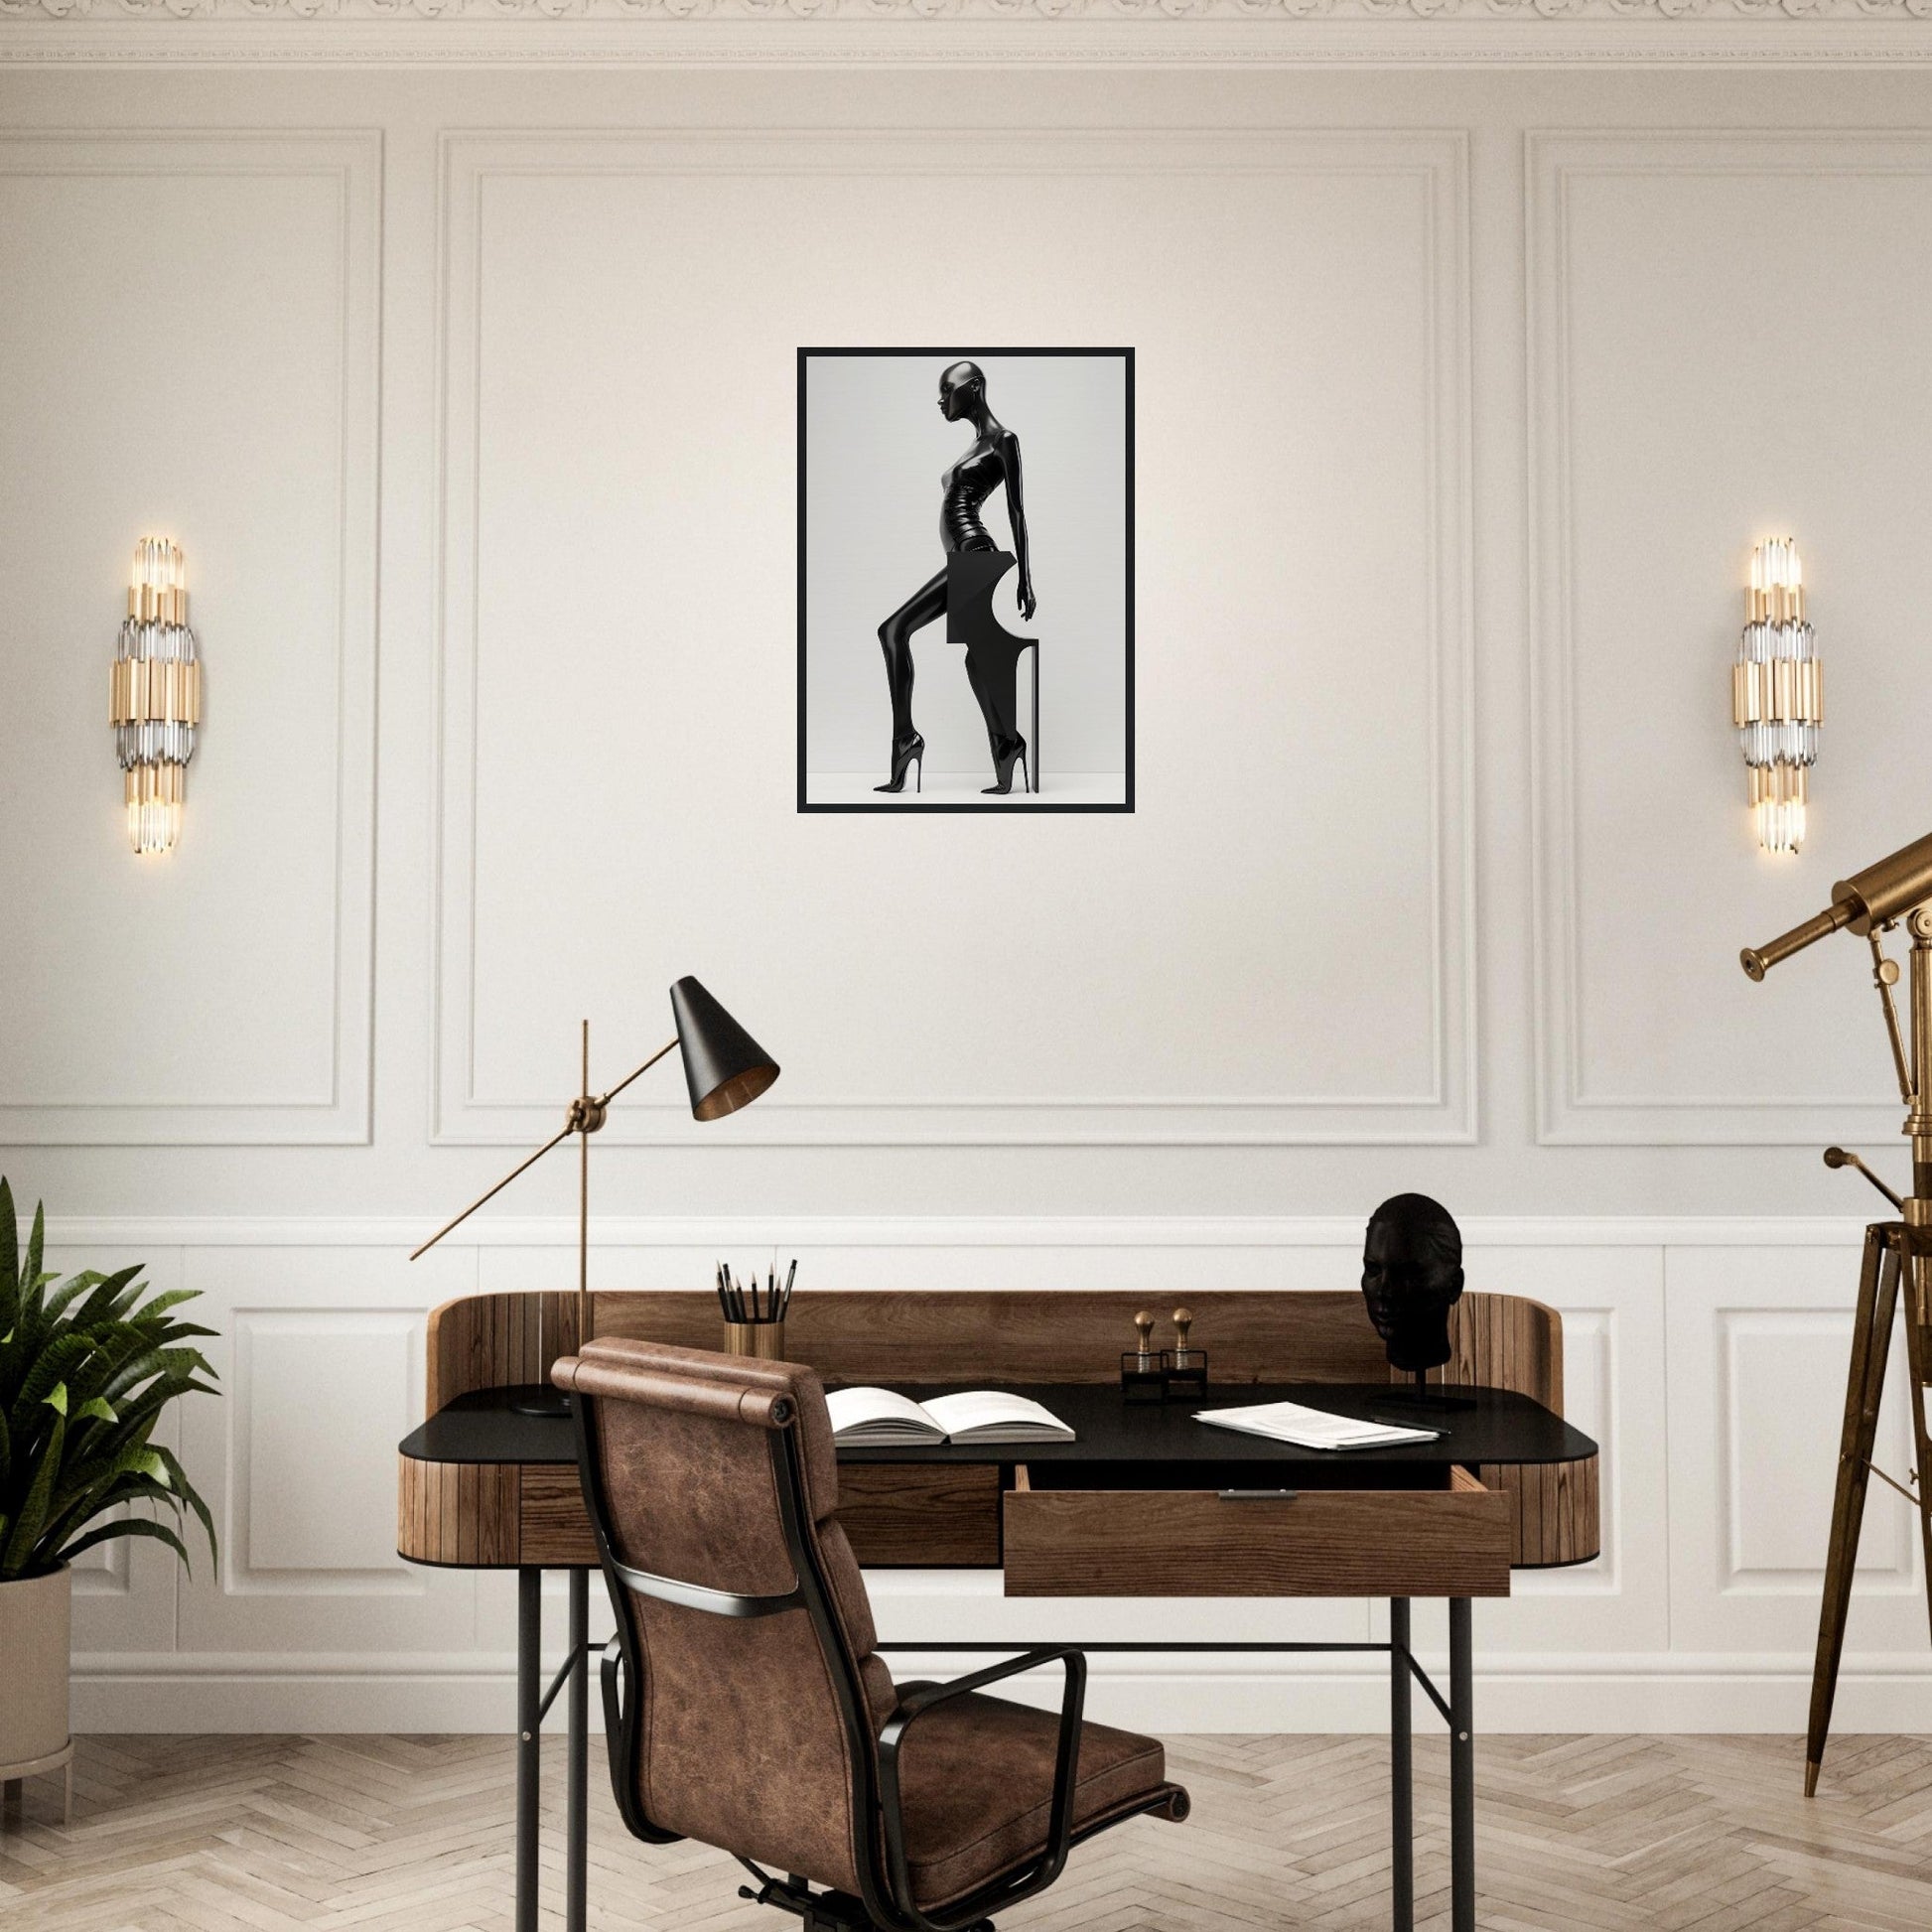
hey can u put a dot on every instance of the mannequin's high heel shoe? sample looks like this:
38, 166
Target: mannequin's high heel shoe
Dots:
904, 752
1005, 756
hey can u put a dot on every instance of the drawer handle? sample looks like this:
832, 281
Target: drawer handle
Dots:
1259, 1495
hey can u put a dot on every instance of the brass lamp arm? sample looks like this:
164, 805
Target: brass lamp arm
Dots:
586, 1114
563, 1134
645, 1068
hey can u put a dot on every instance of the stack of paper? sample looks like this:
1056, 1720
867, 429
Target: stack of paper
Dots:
1290, 1422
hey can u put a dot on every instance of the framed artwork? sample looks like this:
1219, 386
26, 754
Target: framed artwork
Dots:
966, 580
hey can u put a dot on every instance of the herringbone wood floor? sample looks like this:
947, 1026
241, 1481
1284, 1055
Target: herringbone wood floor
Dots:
1648, 1834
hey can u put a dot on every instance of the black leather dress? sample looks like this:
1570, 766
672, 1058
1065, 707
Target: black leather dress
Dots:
967, 485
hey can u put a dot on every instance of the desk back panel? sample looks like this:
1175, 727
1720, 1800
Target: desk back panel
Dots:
1501, 1342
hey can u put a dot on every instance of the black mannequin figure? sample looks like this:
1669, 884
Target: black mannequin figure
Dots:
1412, 1276
992, 459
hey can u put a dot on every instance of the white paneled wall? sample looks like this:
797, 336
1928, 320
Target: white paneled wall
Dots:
181, 305
1711, 1370
1377, 408
469, 392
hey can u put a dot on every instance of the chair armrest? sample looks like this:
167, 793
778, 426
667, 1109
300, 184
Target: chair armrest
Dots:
1066, 1764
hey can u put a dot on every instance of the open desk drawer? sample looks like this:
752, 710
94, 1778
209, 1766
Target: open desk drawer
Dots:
1440, 1533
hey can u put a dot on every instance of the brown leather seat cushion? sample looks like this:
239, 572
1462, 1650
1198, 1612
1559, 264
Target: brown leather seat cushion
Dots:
976, 1782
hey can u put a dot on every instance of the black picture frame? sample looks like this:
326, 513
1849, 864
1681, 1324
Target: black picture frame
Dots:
941, 355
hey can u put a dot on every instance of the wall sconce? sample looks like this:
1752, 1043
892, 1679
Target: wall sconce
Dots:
1777, 694
155, 695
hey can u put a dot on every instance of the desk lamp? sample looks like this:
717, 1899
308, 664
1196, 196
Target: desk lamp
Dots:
725, 1069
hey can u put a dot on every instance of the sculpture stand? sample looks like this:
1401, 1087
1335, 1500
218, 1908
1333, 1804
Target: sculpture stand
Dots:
1897, 1253
992, 650
1422, 1398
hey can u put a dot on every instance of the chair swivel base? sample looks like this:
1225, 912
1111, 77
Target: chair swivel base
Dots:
822, 1911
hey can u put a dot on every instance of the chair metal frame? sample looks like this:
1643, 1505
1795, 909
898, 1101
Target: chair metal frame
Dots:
886, 1900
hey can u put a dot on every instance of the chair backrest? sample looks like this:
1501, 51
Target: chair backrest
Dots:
712, 1482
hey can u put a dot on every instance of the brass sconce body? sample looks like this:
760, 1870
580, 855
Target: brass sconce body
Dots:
155, 695
1777, 695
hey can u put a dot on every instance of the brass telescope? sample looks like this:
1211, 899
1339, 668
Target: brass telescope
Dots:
1898, 1254
1875, 897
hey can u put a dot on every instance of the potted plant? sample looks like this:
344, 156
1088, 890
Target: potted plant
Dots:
86, 1369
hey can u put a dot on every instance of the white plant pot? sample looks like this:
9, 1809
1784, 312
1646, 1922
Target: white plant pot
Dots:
36, 1622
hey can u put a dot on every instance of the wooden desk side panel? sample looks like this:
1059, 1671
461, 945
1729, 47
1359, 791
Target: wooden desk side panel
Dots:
462, 1513
497, 1341
1505, 1341
1554, 1507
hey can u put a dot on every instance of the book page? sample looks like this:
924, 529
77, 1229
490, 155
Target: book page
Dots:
988, 1409
858, 1408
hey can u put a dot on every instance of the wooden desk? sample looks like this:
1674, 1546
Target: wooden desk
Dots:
1134, 1507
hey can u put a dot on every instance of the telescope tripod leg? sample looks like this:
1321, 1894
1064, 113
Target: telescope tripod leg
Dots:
1871, 1345
1917, 1351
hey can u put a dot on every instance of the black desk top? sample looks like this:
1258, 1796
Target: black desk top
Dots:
1485, 1425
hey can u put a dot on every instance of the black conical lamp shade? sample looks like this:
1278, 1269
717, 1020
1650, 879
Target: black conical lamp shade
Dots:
724, 1066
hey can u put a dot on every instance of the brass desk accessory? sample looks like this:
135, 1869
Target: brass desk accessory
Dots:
725, 1069
1870, 903
1139, 1367
1183, 1369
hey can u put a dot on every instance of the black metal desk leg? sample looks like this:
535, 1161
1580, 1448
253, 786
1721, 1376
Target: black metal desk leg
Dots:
577, 1867
529, 1728
1402, 1787
1462, 1771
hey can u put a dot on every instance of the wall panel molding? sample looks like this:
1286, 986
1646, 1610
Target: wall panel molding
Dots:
1437, 164
1637, 1638
1760, 1337
1577, 34
1754, 1489
1567, 1112
1536, 1693
288, 1534
1663, 1632
352, 161
153, 1234
1169, 16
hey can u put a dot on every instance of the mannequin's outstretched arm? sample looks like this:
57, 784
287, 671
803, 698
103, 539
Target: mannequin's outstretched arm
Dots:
1017, 513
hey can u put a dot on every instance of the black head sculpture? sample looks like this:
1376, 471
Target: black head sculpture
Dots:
962, 390
1412, 1276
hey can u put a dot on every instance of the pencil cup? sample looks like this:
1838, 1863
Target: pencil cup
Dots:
764, 1339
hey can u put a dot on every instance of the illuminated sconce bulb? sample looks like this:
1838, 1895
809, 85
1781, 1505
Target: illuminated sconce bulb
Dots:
1777, 695
155, 695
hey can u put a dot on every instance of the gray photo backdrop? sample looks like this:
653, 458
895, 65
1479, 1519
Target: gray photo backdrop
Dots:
875, 449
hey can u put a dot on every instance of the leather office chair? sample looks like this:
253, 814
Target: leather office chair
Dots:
744, 1702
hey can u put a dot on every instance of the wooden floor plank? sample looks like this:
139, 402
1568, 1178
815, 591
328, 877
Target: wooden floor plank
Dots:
1589, 1834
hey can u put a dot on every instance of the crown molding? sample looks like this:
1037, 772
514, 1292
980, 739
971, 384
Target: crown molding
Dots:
1165, 16
821, 1238
966, 32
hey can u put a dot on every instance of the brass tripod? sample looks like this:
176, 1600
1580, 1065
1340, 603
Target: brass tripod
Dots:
1897, 1253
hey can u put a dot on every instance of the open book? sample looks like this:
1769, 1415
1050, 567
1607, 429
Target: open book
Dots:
881, 1419
1290, 1422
